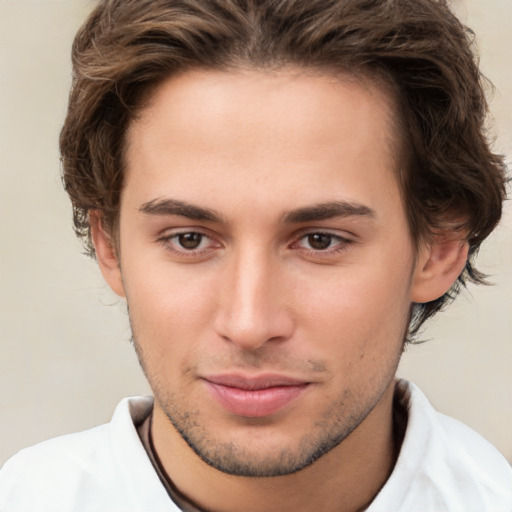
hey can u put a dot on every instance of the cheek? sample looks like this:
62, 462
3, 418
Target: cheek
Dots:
365, 309
167, 292
169, 311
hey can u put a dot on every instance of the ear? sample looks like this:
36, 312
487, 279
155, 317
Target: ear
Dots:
439, 264
106, 253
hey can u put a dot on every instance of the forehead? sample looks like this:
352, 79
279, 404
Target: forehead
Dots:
310, 135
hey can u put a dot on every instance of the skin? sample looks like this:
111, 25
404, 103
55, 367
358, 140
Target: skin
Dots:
243, 159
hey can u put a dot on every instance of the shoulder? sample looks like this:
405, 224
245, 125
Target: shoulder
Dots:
100, 467
465, 452
444, 465
463, 444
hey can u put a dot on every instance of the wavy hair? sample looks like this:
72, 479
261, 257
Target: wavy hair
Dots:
449, 176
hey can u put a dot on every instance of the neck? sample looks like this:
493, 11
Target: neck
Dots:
346, 479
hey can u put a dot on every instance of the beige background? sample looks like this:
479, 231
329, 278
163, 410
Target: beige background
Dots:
65, 357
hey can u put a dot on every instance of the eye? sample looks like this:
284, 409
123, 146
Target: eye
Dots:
323, 243
188, 243
319, 241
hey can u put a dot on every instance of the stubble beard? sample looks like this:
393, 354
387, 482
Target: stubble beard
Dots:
335, 424
235, 459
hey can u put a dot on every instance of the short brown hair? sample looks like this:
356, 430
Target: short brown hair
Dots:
126, 47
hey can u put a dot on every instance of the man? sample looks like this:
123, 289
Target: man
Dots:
283, 191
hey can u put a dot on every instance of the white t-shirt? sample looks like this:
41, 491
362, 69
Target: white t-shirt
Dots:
443, 466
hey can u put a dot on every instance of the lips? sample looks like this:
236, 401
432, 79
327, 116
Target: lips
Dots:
254, 397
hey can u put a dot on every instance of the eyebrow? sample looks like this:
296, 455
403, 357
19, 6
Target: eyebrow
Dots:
174, 207
331, 210
322, 211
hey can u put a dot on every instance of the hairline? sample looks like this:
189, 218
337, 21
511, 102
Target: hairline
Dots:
369, 78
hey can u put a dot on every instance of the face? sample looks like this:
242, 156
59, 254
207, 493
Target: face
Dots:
266, 261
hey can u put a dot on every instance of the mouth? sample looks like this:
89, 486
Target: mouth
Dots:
254, 397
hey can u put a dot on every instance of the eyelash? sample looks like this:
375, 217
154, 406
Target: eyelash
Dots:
340, 243
171, 241
168, 242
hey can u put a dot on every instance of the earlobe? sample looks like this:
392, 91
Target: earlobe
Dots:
438, 266
106, 254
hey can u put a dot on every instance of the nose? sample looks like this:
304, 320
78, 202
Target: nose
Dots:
253, 302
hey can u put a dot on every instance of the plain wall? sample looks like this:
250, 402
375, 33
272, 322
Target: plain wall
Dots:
66, 359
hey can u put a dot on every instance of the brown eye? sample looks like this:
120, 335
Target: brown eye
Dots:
190, 241
320, 241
